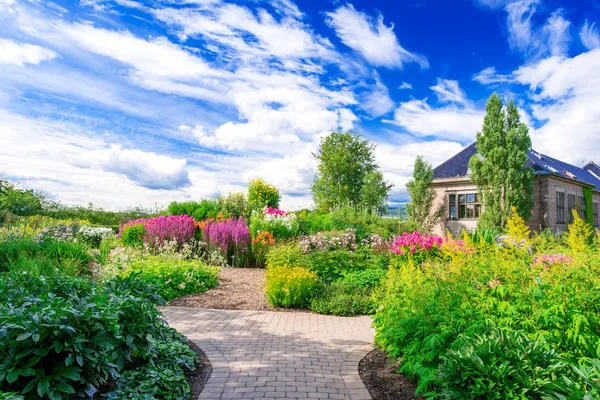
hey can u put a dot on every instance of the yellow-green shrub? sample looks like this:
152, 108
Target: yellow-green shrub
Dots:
290, 286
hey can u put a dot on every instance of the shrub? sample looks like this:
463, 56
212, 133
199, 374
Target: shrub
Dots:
275, 221
501, 364
262, 195
365, 280
320, 241
133, 235
579, 234
332, 265
231, 237
235, 205
173, 277
285, 254
93, 235
335, 299
63, 337
203, 209
290, 286
261, 245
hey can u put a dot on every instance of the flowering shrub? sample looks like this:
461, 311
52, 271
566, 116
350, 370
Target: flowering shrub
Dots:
320, 242
59, 233
275, 221
158, 229
94, 235
451, 246
261, 245
547, 260
416, 243
378, 243
290, 286
231, 237
261, 194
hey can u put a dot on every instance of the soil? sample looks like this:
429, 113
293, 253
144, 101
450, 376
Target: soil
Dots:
238, 289
199, 378
382, 381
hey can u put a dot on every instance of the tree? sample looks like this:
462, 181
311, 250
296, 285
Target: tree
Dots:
345, 161
374, 192
261, 195
422, 196
17, 201
499, 167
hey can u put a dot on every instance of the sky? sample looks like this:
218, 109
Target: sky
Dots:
138, 103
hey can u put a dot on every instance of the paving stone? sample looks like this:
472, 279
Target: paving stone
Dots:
271, 355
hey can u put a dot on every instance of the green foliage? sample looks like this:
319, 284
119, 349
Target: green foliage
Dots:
290, 286
17, 201
235, 205
47, 257
501, 364
345, 161
133, 235
579, 235
364, 280
261, 195
203, 209
285, 254
374, 193
281, 227
173, 277
332, 265
498, 169
422, 196
429, 311
60, 336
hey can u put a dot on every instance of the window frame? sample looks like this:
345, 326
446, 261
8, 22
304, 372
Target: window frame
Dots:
560, 207
571, 205
582, 207
595, 212
468, 200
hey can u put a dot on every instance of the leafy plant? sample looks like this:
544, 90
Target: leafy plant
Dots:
290, 286
262, 195
133, 235
285, 254
579, 234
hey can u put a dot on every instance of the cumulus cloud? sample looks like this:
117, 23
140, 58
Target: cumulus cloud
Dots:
20, 54
405, 85
566, 99
375, 41
589, 35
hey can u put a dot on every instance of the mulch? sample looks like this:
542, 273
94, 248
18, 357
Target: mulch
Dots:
382, 381
199, 378
238, 289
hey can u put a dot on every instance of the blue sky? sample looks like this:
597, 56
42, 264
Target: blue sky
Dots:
123, 103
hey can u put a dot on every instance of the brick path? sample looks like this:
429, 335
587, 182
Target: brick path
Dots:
265, 355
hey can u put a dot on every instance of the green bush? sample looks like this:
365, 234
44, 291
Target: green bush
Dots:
367, 279
285, 254
332, 265
507, 364
290, 286
23, 254
61, 337
428, 310
133, 235
203, 209
261, 195
174, 277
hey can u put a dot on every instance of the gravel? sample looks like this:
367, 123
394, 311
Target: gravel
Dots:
238, 289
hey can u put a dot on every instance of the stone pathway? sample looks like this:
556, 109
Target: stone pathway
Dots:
265, 354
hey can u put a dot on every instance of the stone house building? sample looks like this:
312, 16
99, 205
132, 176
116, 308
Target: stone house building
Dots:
558, 188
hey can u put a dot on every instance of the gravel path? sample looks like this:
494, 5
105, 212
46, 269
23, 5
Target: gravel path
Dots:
238, 289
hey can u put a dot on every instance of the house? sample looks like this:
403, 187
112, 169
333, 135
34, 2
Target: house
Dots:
558, 188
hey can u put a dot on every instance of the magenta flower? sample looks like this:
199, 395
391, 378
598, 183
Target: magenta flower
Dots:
416, 243
160, 229
275, 211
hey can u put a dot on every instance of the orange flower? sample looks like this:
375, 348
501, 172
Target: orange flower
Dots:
264, 238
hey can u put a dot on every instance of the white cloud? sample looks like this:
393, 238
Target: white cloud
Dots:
589, 35
567, 100
346, 119
147, 169
371, 38
489, 76
405, 85
550, 38
376, 98
448, 91
20, 54
449, 122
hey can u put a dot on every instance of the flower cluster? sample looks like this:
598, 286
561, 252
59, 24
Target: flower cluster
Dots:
227, 234
59, 233
546, 260
416, 242
95, 233
322, 242
452, 246
265, 239
275, 211
158, 229
378, 243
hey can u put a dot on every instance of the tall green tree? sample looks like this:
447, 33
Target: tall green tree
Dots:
374, 192
499, 167
345, 161
422, 196
17, 201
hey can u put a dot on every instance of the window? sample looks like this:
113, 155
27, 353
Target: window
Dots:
464, 206
570, 206
560, 208
595, 209
582, 207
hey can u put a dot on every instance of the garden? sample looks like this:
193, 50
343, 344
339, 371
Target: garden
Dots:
498, 313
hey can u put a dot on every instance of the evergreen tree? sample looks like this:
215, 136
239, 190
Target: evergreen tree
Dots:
422, 196
499, 169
